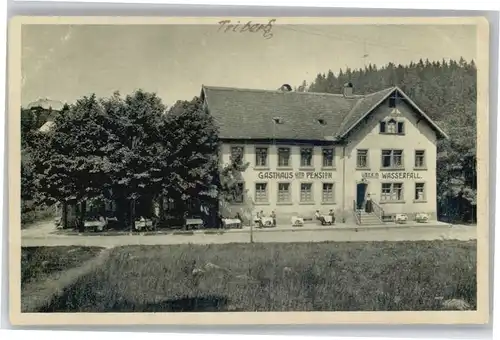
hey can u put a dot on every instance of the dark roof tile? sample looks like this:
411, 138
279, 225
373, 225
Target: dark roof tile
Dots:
250, 113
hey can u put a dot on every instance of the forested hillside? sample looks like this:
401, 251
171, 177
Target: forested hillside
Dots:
446, 91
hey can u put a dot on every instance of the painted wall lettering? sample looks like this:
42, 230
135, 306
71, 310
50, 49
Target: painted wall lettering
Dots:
297, 175
368, 175
401, 175
391, 175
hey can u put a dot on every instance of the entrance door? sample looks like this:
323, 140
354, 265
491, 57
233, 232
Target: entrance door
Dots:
360, 194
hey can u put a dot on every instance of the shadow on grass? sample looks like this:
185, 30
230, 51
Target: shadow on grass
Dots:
186, 304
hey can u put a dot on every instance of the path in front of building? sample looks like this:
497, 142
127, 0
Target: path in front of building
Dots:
427, 233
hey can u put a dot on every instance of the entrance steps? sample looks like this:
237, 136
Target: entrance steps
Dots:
368, 218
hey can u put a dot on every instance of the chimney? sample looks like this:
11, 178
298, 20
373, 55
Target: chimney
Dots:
348, 89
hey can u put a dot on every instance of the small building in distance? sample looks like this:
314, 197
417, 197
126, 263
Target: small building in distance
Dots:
45, 111
317, 151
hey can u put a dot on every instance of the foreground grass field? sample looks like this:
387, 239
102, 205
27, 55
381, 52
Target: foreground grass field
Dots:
277, 277
38, 263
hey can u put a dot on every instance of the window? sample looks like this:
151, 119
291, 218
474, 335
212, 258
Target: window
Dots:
261, 193
392, 127
284, 192
328, 157
283, 157
239, 192
420, 191
401, 128
328, 193
306, 192
382, 127
420, 159
362, 159
392, 192
306, 157
392, 159
261, 157
394, 100
237, 154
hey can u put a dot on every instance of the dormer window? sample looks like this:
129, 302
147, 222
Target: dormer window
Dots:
394, 99
392, 127
322, 121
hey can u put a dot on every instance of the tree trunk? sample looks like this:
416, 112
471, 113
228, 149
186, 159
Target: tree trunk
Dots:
81, 219
132, 215
161, 203
64, 217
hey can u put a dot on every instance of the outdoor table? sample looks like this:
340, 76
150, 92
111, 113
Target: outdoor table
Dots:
97, 225
328, 219
297, 221
422, 218
232, 223
401, 218
194, 222
142, 224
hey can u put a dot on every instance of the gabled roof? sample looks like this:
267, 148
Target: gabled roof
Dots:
370, 102
249, 113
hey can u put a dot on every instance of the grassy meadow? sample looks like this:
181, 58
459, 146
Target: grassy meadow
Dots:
39, 263
357, 276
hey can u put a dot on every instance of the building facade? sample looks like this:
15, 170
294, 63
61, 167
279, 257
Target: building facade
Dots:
309, 152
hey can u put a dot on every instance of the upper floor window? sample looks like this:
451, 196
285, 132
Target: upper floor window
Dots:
392, 127
261, 156
306, 155
283, 157
237, 153
392, 159
328, 157
419, 158
362, 159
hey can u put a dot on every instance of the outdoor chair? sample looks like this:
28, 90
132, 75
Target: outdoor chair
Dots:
401, 218
422, 218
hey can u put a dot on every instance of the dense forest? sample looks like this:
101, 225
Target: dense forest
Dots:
446, 91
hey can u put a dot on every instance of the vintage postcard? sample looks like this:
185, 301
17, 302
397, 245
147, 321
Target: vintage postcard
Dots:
248, 170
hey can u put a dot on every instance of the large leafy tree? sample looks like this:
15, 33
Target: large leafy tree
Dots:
134, 149
196, 172
69, 161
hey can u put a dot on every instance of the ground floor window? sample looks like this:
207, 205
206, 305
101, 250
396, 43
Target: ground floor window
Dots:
420, 191
306, 194
328, 193
261, 193
284, 192
392, 192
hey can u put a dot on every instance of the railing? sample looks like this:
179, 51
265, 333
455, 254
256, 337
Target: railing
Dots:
377, 210
357, 214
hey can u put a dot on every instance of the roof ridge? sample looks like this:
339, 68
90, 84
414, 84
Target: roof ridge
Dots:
238, 89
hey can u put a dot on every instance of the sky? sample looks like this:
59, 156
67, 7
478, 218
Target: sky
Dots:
65, 63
